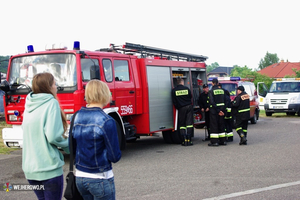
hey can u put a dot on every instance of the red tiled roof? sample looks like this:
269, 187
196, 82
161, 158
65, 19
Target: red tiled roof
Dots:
279, 70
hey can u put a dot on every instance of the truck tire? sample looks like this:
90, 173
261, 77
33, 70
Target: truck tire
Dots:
167, 135
121, 139
269, 114
176, 137
290, 113
254, 118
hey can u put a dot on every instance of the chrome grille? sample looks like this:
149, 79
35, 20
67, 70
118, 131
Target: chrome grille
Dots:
279, 101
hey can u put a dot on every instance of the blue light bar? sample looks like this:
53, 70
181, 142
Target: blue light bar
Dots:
30, 48
235, 78
76, 45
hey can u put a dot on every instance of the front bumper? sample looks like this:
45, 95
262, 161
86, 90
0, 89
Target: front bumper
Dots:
292, 108
13, 137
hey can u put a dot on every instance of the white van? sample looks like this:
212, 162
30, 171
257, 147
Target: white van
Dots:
283, 97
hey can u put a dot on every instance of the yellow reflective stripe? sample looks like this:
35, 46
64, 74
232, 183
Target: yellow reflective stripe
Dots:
182, 127
221, 135
218, 91
245, 131
212, 135
239, 128
220, 104
228, 109
189, 126
244, 110
230, 134
181, 92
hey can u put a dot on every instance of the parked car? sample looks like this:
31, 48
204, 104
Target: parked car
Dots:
232, 83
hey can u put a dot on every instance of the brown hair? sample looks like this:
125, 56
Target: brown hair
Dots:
97, 91
42, 83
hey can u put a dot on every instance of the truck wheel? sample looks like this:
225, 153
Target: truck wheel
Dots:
176, 137
268, 114
254, 119
290, 113
167, 135
121, 139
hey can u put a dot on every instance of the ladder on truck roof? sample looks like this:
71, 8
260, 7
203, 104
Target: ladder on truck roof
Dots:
145, 51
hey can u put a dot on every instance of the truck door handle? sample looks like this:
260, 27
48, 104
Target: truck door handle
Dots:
131, 91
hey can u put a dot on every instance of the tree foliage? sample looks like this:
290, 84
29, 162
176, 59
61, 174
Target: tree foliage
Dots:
268, 60
248, 73
211, 67
297, 72
4, 63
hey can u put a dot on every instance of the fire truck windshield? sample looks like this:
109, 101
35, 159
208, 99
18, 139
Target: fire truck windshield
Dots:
231, 87
62, 66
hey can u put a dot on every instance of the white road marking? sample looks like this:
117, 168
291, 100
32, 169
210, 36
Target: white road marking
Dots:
237, 194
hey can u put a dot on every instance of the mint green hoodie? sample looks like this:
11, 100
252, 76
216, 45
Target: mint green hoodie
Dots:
42, 134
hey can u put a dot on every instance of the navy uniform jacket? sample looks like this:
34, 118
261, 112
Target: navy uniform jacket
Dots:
242, 104
181, 96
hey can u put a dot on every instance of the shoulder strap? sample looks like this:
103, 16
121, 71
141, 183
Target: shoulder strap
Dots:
71, 143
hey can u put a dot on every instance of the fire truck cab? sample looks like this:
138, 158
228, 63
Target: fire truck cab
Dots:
232, 83
140, 79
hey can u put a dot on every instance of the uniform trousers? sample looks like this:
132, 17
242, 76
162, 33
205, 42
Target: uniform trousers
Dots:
217, 128
241, 126
185, 120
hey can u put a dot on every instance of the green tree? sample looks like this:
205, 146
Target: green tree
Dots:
268, 60
253, 76
297, 72
211, 67
240, 71
4, 63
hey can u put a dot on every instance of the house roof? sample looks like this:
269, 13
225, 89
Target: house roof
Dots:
218, 70
280, 70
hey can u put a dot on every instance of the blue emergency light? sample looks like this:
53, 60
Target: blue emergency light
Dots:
236, 78
30, 48
76, 45
16, 113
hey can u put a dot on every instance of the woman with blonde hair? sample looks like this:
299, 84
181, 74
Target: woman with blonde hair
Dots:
95, 143
44, 125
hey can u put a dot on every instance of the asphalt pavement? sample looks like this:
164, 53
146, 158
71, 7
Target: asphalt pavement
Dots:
267, 168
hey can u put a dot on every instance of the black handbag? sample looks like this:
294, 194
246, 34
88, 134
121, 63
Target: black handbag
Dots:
71, 191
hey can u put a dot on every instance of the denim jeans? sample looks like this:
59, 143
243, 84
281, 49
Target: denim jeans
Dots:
53, 188
96, 189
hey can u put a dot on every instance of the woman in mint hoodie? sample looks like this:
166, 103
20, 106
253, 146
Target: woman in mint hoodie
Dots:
43, 126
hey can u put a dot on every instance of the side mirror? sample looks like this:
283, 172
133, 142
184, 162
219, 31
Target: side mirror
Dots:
94, 72
4, 86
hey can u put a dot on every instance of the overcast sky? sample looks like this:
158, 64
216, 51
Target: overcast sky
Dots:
230, 32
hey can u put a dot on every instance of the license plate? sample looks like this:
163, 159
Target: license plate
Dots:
278, 107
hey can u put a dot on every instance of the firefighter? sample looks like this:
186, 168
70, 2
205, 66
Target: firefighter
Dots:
217, 103
228, 118
182, 100
242, 104
203, 103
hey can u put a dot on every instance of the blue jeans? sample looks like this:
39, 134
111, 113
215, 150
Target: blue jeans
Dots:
96, 189
53, 188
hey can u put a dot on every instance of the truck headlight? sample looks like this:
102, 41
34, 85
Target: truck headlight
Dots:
295, 99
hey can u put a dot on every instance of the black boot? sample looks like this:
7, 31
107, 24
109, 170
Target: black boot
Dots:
189, 140
185, 141
243, 139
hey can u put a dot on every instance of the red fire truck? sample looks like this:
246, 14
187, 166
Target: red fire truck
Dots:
140, 79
